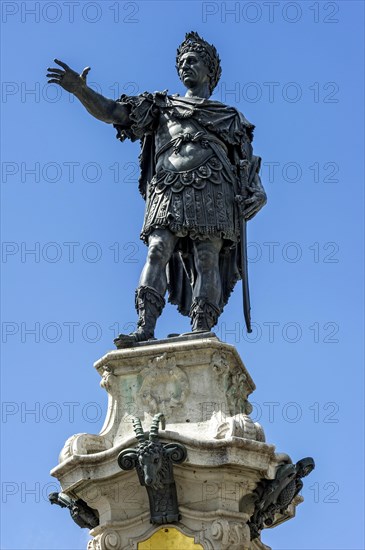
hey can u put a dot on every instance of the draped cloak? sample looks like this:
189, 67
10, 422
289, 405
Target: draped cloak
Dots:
230, 127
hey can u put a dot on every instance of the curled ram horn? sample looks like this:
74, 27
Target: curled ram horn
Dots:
154, 427
128, 459
138, 430
305, 466
176, 452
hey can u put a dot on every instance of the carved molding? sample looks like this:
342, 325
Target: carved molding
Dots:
94, 544
214, 530
234, 382
165, 386
110, 539
240, 425
83, 444
108, 379
232, 535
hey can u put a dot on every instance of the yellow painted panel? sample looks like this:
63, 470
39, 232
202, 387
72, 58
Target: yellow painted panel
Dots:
169, 539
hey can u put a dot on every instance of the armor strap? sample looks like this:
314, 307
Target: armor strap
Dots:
186, 137
149, 294
149, 305
222, 156
203, 314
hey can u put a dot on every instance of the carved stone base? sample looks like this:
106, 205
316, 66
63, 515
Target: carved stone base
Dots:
202, 388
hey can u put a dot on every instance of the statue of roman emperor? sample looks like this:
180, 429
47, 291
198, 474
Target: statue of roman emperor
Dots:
200, 181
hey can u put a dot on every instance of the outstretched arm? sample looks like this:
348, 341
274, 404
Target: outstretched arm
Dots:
100, 107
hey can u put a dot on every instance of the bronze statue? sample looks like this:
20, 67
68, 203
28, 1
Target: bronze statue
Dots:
200, 181
81, 513
154, 461
273, 496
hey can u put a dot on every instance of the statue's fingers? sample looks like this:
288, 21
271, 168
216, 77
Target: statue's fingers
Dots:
249, 211
54, 75
62, 64
54, 81
249, 215
54, 70
85, 72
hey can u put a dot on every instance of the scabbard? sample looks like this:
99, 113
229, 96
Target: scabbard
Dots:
243, 235
244, 269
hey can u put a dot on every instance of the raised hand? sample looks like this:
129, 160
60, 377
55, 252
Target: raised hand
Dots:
67, 78
100, 107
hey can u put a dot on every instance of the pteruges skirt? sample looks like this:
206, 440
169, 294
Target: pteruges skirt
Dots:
198, 203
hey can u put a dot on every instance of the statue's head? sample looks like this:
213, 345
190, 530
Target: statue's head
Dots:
151, 459
198, 59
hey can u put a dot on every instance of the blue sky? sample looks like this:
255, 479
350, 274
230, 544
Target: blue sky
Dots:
69, 194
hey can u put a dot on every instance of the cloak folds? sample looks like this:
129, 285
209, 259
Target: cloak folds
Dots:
216, 119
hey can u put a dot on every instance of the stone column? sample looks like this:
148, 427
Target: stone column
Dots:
201, 386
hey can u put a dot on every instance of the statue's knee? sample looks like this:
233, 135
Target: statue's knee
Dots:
157, 253
206, 261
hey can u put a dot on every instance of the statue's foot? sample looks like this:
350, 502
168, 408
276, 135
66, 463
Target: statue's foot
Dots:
196, 332
129, 340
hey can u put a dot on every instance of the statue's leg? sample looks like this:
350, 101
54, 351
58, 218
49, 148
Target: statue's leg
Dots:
152, 287
161, 244
205, 308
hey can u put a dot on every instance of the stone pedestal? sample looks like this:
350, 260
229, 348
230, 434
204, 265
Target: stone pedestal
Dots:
201, 386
